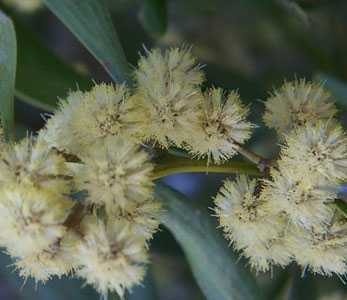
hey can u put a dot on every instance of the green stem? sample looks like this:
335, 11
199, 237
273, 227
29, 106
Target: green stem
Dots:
169, 164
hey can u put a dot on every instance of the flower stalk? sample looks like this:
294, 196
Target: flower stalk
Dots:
169, 165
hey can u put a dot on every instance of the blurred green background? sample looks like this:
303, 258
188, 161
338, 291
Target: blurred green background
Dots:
248, 45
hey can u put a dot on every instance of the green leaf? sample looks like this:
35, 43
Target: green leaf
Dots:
153, 16
8, 58
336, 87
42, 77
294, 10
90, 21
342, 206
212, 261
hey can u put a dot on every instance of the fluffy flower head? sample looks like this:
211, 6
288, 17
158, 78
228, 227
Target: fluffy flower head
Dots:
248, 226
321, 252
57, 260
305, 204
31, 220
241, 214
110, 257
142, 218
84, 118
168, 89
264, 254
317, 150
221, 127
34, 165
116, 173
296, 104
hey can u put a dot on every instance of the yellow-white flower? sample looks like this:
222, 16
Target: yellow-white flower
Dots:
35, 165
240, 213
304, 203
248, 225
316, 151
57, 133
297, 104
31, 219
142, 218
57, 260
87, 118
115, 173
321, 252
265, 254
168, 90
111, 258
222, 126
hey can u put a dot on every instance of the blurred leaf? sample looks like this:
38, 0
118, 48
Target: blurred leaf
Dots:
304, 287
90, 21
337, 88
342, 206
293, 9
8, 58
42, 77
153, 16
212, 261
278, 285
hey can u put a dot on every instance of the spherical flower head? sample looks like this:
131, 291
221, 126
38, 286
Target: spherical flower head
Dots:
57, 133
142, 218
115, 173
315, 151
318, 251
304, 203
221, 127
58, 260
111, 258
241, 214
106, 110
34, 165
168, 90
263, 255
31, 219
296, 104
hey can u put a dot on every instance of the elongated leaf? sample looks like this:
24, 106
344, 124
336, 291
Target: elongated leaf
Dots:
42, 77
342, 206
90, 22
212, 261
153, 16
8, 58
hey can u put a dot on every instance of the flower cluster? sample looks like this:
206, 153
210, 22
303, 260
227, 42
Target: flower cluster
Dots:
78, 198
49, 233
290, 214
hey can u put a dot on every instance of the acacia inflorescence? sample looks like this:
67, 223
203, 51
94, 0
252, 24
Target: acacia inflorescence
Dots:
78, 197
